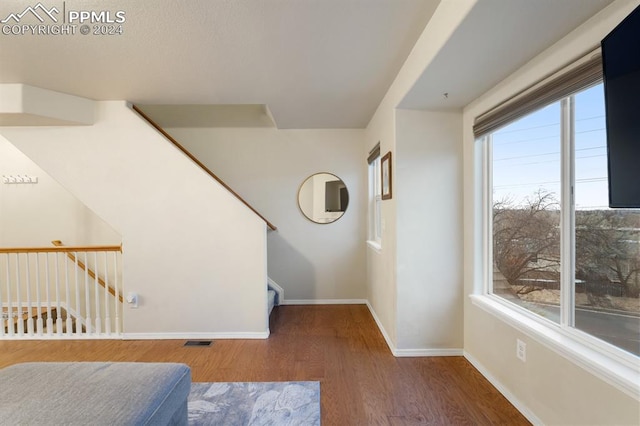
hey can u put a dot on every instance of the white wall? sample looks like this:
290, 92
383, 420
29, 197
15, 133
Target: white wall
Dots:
24, 105
553, 389
404, 325
266, 167
194, 253
428, 188
33, 215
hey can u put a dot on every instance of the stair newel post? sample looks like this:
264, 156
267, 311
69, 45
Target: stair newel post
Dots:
117, 292
59, 322
48, 295
39, 323
87, 296
67, 295
20, 322
30, 325
107, 310
2, 323
77, 288
97, 293
10, 327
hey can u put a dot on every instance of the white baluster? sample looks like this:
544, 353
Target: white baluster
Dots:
59, 322
39, 324
97, 294
10, 327
29, 310
107, 310
20, 321
47, 278
78, 314
87, 296
67, 295
115, 285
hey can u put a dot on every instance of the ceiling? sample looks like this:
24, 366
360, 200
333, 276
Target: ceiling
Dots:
300, 63
496, 38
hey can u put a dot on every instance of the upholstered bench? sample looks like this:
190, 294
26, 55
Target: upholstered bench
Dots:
94, 393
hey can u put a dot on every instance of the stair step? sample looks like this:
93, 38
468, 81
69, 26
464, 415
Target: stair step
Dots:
271, 295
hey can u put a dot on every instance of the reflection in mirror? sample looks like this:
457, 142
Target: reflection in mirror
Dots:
323, 198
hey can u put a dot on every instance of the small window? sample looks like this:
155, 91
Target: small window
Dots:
375, 197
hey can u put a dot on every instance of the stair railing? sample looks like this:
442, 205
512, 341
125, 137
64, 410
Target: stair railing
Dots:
45, 293
90, 271
199, 163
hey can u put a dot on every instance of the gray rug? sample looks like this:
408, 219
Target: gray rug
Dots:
255, 403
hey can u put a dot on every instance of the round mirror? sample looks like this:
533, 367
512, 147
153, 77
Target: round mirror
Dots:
323, 198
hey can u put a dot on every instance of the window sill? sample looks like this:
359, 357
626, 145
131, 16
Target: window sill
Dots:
619, 371
375, 246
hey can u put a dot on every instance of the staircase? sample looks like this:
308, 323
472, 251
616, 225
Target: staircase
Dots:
48, 292
203, 251
275, 295
42, 315
271, 297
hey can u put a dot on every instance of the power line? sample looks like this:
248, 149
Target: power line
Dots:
553, 182
548, 153
502, 143
502, 132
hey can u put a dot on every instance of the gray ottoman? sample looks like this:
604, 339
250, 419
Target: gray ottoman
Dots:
94, 393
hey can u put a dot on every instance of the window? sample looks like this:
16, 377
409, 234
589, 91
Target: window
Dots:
555, 249
526, 210
375, 198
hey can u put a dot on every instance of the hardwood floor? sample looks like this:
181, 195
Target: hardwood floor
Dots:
338, 345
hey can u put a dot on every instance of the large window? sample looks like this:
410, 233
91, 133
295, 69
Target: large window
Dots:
556, 250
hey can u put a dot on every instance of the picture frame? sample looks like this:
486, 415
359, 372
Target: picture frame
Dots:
385, 175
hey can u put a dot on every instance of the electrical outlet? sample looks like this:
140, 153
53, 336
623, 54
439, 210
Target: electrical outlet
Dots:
132, 300
521, 350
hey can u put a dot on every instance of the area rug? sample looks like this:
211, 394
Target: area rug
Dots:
255, 403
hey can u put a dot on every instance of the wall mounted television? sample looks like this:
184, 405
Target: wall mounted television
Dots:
621, 70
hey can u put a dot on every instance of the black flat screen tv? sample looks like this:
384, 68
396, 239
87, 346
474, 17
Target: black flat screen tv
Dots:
621, 69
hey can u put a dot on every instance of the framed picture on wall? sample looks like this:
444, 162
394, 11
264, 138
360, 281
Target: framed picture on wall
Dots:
385, 173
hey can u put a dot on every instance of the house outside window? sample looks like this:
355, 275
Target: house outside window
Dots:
555, 250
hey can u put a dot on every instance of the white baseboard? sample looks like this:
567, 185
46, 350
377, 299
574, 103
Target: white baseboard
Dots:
400, 353
504, 391
387, 339
195, 336
324, 302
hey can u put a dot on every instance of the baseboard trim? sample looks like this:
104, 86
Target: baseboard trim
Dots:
503, 390
195, 336
406, 353
324, 302
387, 339
400, 353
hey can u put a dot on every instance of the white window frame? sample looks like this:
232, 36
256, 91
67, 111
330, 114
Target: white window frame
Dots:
612, 364
375, 205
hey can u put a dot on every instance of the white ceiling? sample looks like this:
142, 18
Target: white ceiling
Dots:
311, 63
496, 38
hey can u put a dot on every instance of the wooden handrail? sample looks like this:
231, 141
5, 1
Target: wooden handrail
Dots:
65, 249
92, 274
199, 163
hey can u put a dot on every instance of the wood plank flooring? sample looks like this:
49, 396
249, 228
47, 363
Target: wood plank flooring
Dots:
338, 345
